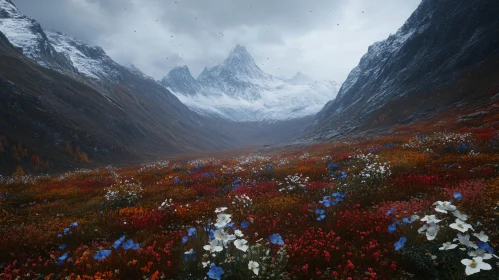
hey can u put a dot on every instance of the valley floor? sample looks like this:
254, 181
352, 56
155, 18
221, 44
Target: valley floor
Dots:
411, 205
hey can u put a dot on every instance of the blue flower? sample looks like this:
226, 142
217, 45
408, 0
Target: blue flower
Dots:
62, 259
342, 175
118, 242
485, 246
176, 180
458, 196
276, 239
332, 166
62, 247
74, 224
59, 235
215, 272
190, 255
327, 201
409, 220
389, 212
244, 224
339, 195
185, 239
392, 227
400, 244
102, 254
191, 231
320, 212
462, 147
66, 230
130, 245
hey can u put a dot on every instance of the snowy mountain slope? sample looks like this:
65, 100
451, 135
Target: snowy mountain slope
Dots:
300, 79
28, 36
180, 79
238, 90
440, 42
92, 62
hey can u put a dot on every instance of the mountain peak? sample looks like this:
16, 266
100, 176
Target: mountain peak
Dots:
301, 79
240, 53
180, 80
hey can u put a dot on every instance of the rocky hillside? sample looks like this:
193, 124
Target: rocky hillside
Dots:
441, 43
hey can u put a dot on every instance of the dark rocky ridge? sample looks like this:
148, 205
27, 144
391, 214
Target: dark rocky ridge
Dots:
438, 44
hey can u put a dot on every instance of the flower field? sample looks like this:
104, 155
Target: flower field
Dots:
423, 206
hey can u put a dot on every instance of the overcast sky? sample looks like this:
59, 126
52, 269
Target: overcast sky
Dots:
296, 35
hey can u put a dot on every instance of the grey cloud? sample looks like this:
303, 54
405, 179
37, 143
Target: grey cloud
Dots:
296, 35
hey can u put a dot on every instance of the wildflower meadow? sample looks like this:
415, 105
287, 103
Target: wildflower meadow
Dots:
418, 206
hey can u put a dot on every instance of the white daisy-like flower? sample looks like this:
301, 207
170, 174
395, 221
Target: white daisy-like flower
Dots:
205, 264
254, 266
222, 220
459, 215
461, 226
220, 210
480, 253
241, 244
482, 236
475, 265
448, 246
431, 232
465, 240
444, 206
214, 246
423, 228
238, 233
430, 219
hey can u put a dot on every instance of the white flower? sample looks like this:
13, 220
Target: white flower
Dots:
460, 216
475, 265
254, 266
448, 246
461, 226
222, 236
430, 219
222, 220
432, 232
444, 206
241, 244
482, 236
214, 246
480, 253
220, 210
205, 264
422, 229
238, 233
465, 240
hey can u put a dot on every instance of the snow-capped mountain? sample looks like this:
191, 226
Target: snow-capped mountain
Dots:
300, 79
57, 51
180, 79
91, 62
439, 43
238, 90
28, 36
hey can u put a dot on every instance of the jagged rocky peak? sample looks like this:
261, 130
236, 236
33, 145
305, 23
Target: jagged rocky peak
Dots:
240, 54
28, 37
180, 80
301, 79
238, 90
180, 71
239, 64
